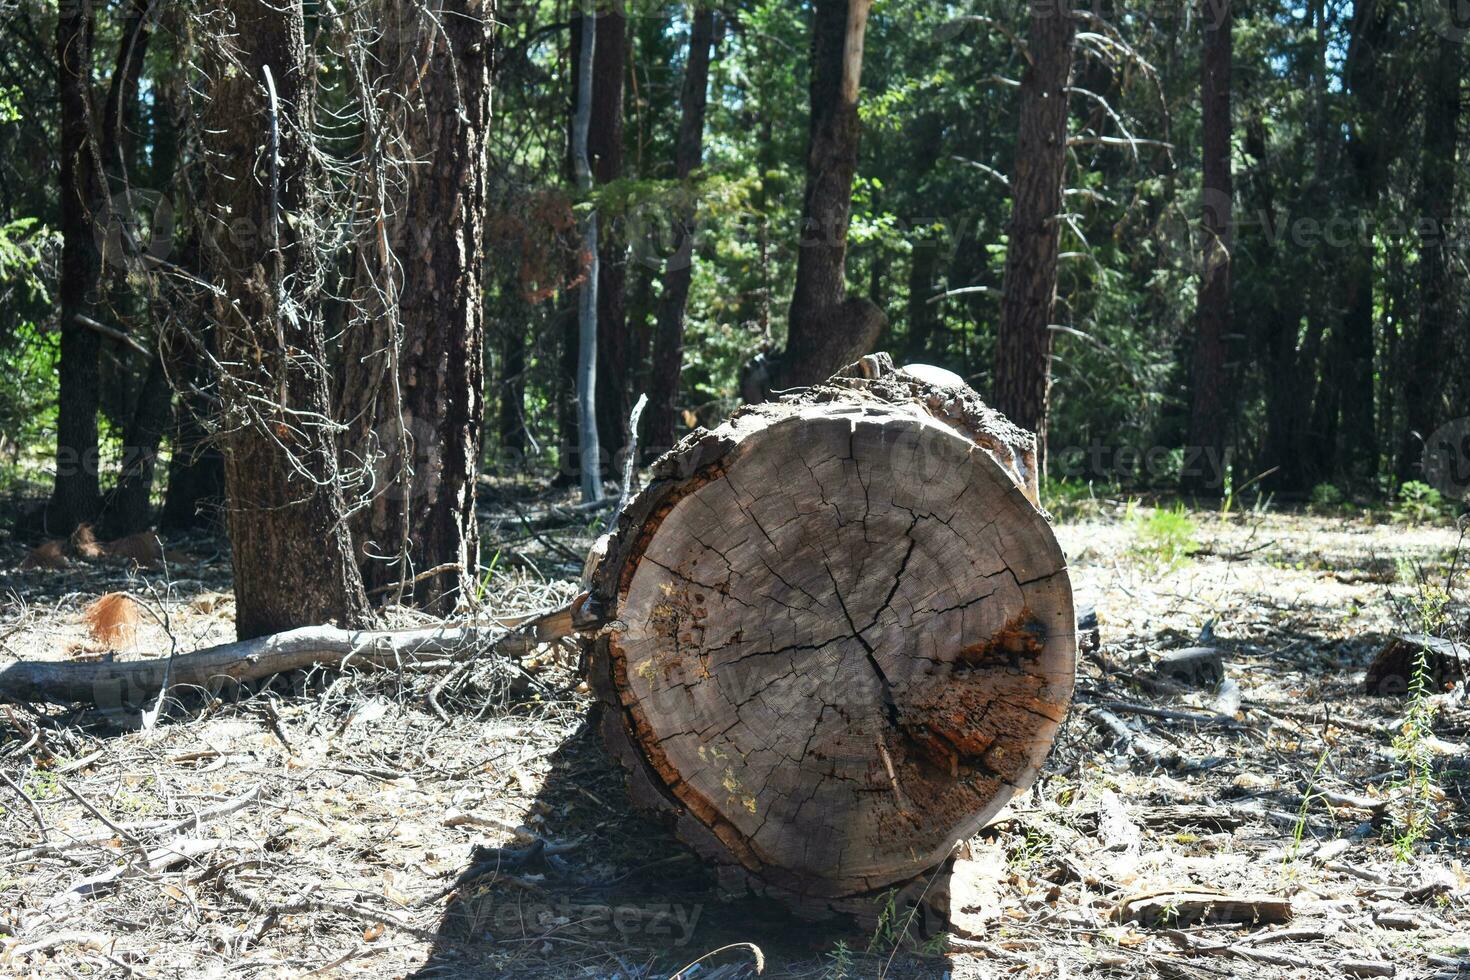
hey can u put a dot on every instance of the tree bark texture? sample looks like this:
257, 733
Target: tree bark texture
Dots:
842, 634
827, 329
668, 346
75, 497
420, 511
1024, 341
292, 551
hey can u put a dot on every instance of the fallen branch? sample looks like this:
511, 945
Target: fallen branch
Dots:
136, 682
158, 860
1165, 714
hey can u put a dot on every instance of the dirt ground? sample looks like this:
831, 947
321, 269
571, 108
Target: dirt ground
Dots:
340, 825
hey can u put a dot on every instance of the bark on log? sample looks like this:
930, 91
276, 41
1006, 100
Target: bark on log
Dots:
840, 637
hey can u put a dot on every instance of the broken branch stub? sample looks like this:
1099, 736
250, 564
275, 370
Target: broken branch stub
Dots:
841, 634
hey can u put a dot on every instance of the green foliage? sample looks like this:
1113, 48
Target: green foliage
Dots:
892, 933
1418, 503
1164, 538
28, 356
1326, 498
839, 962
10, 104
1426, 610
1074, 500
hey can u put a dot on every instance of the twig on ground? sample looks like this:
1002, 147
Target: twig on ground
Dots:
35, 810
97, 812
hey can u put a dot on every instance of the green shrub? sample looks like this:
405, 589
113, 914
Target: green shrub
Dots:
1165, 539
1326, 498
1418, 503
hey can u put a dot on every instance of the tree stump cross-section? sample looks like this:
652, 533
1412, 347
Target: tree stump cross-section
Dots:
842, 634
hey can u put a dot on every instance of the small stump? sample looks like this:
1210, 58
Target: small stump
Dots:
842, 637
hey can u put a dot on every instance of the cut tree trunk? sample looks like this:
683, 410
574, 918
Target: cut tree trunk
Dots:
842, 635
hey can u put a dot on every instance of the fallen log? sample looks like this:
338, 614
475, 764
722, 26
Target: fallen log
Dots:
134, 683
841, 635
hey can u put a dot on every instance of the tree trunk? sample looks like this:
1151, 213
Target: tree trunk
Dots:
128, 507
668, 348
511, 422
195, 494
120, 116
589, 449
196, 473
1209, 413
605, 149
75, 497
1424, 392
1024, 341
1355, 345
924, 321
422, 511
827, 674
292, 551
827, 329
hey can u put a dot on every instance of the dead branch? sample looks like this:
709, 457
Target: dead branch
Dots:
136, 682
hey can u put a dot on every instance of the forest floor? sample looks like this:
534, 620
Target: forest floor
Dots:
340, 825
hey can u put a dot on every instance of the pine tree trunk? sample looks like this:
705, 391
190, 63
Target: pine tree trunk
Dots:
421, 514
1024, 340
1355, 347
1210, 402
128, 507
1424, 401
827, 329
120, 117
513, 327
75, 497
292, 552
668, 348
825, 674
195, 495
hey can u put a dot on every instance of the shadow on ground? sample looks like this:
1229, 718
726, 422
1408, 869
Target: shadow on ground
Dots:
605, 892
